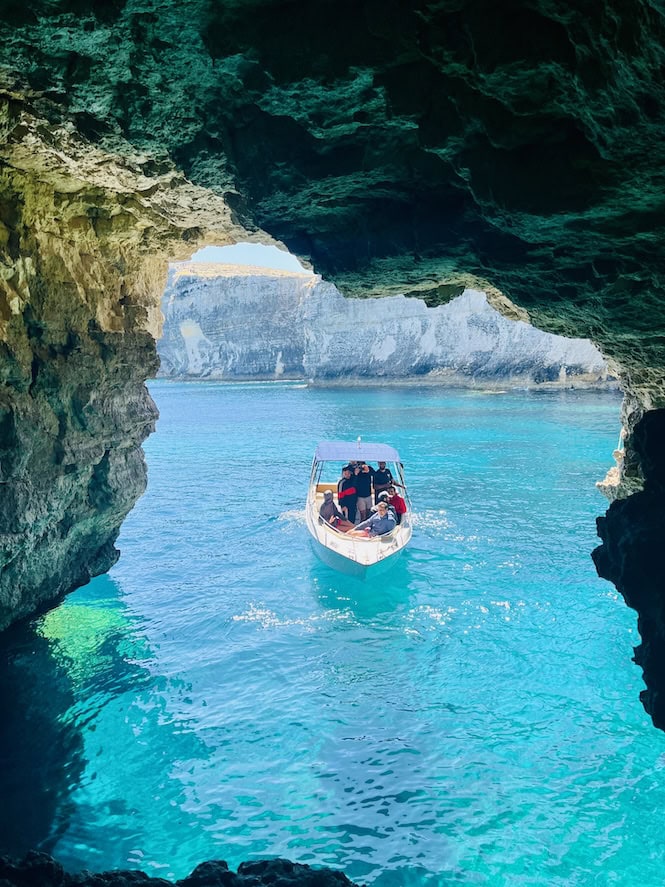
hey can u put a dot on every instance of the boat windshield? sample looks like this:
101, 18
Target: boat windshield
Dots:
327, 474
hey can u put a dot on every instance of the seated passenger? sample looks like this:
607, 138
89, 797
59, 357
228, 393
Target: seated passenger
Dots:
380, 523
384, 497
396, 502
332, 515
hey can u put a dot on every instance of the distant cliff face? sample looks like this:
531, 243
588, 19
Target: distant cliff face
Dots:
223, 323
229, 322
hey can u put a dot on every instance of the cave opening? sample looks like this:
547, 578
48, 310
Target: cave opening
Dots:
242, 459
163, 643
254, 312
472, 718
285, 711
267, 691
215, 585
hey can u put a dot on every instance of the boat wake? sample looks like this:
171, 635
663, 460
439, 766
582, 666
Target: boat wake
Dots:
293, 515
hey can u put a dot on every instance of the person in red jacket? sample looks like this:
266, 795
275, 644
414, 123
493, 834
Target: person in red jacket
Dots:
396, 502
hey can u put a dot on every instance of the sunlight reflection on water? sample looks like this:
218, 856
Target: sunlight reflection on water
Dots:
471, 716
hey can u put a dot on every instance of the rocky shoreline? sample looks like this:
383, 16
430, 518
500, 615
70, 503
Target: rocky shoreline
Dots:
587, 382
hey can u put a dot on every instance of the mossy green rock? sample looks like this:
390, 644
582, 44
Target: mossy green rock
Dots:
398, 147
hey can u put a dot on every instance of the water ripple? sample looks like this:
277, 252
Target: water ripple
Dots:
470, 717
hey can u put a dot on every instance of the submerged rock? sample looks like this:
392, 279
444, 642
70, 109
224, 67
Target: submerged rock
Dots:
41, 870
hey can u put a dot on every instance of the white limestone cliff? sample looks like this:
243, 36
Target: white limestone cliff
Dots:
231, 322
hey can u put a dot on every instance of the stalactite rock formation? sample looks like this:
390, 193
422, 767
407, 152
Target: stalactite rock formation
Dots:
399, 148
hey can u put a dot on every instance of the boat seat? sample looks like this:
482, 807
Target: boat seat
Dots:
327, 485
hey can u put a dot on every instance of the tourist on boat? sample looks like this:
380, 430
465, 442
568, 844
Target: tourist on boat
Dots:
383, 478
384, 497
332, 515
380, 523
396, 502
363, 479
347, 494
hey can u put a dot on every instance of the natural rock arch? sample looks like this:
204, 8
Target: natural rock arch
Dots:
397, 147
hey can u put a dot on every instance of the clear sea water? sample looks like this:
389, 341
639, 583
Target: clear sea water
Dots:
471, 717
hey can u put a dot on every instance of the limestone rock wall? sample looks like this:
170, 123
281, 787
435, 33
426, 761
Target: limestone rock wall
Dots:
73, 406
463, 342
402, 148
221, 323
228, 322
84, 250
631, 556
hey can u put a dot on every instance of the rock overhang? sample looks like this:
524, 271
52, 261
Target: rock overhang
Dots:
398, 148
516, 147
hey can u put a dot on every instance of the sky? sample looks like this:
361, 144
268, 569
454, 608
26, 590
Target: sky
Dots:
250, 254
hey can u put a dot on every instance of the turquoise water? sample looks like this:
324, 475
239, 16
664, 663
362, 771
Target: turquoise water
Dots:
471, 717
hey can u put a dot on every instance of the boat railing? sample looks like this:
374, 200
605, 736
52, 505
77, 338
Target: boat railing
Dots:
329, 526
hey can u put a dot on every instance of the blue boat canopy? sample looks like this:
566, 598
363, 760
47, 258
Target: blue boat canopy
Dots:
345, 451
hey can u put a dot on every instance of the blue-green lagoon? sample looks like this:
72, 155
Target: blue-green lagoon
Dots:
471, 717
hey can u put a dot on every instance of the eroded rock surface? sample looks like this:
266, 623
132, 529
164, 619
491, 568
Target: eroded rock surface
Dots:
402, 148
632, 556
223, 323
74, 406
230, 322
84, 242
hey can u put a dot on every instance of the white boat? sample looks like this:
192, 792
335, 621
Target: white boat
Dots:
354, 555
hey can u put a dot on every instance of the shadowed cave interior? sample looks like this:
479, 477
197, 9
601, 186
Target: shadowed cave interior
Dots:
518, 149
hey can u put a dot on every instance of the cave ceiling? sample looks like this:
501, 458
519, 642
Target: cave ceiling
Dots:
397, 147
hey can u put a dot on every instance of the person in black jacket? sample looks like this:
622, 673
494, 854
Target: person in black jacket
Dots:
363, 478
383, 477
347, 494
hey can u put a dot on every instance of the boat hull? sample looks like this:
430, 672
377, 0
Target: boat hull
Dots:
343, 564
353, 556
